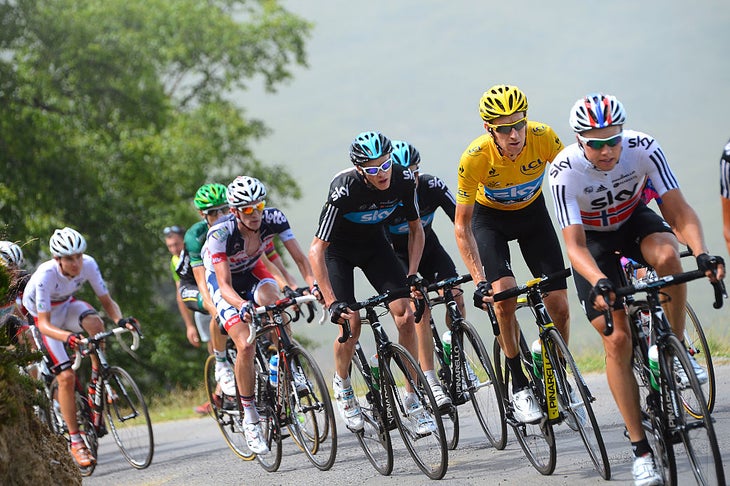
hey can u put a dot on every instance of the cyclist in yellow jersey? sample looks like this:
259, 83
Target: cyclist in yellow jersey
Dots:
499, 199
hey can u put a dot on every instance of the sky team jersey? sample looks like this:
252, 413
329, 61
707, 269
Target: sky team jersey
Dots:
725, 172
355, 211
603, 201
432, 193
48, 286
191, 255
225, 242
495, 181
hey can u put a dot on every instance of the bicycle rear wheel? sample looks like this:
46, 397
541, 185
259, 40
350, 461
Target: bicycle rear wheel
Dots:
696, 433
128, 418
226, 414
416, 414
483, 387
696, 343
575, 402
537, 440
375, 437
311, 410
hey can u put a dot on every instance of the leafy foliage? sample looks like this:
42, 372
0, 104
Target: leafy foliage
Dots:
112, 114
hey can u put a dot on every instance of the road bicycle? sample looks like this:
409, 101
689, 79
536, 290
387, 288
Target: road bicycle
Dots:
395, 394
466, 372
117, 405
558, 386
298, 402
694, 336
673, 405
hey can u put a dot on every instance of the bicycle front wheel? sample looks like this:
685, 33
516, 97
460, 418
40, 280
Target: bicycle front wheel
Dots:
483, 387
225, 412
128, 417
375, 437
696, 433
696, 343
575, 402
537, 440
416, 413
311, 410
268, 417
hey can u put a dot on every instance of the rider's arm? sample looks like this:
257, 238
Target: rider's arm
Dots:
466, 242
281, 280
305, 269
187, 316
680, 215
725, 202
319, 268
581, 259
276, 260
416, 241
110, 307
199, 274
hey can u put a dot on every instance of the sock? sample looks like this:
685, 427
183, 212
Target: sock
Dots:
76, 438
431, 377
410, 399
250, 414
342, 383
641, 448
220, 356
519, 380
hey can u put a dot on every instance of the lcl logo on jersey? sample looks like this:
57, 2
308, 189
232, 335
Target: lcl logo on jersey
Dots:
610, 198
533, 167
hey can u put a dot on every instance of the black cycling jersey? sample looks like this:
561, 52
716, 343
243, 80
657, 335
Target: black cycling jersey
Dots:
432, 193
355, 211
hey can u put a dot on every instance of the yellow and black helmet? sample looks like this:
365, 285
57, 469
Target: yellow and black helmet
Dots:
501, 100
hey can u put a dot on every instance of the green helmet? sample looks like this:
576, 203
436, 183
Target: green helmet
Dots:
211, 196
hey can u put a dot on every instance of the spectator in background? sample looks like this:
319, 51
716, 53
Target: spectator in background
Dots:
725, 193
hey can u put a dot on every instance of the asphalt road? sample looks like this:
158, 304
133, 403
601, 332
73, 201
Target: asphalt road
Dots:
192, 452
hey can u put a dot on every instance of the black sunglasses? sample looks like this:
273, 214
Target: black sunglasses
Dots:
173, 229
506, 128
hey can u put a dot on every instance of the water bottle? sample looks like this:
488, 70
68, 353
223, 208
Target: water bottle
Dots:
375, 371
274, 370
446, 341
536, 352
654, 366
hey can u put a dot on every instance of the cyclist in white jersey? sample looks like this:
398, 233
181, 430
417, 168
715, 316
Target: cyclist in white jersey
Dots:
60, 318
597, 184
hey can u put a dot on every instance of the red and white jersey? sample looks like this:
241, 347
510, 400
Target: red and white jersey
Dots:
604, 200
48, 286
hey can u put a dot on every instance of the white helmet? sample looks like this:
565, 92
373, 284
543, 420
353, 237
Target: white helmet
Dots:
597, 110
11, 254
67, 242
244, 191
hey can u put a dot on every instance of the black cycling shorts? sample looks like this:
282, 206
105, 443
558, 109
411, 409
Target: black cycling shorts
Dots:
532, 228
191, 297
375, 257
607, 248
436, 264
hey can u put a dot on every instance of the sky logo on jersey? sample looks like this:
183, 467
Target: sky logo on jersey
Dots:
369, 217
515, 194
402, 228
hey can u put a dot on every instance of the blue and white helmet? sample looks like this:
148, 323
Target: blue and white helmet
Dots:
369, 146
11, 254
597, 110
67, 242
405, 154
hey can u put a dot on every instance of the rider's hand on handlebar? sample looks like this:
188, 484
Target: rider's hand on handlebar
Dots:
713, 266
484, 290
130, 323
246, 312
415, 282
603, 289
73, 340
338, 311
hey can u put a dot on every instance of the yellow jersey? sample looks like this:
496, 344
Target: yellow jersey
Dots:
495, 181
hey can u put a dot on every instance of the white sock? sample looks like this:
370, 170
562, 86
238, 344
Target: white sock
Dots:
431, 377
342, 383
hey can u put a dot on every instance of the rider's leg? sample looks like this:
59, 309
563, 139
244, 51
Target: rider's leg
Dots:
661, 251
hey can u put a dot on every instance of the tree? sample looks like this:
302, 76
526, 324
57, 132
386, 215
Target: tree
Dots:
112, 114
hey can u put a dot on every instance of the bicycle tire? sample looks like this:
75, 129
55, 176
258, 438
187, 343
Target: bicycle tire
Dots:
580, 412
128, 418
696, 343
312, 415
227, 419
268, 417
696, 433
536, 440
86, 426
485, 394
428, 450
375, 436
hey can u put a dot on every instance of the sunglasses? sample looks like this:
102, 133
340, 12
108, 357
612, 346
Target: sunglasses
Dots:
599, 143
385, 167
249, 209
507, 128
216, 211
173, 229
